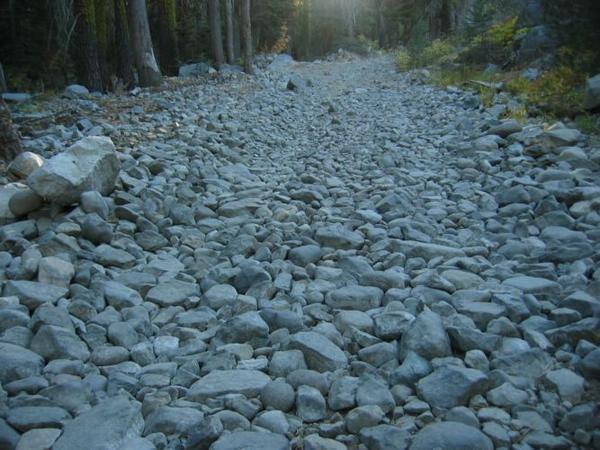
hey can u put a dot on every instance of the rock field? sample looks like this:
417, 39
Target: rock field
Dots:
327, 256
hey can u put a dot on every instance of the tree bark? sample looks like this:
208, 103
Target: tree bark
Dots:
216, 37
247, 36
229, 39
167, 39
3, 86
90, 74
141, 42
10, 144
124, 53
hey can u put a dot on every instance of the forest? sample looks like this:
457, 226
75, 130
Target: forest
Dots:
52, 43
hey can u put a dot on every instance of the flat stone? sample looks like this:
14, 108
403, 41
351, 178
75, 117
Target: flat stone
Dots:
358, 298
221, 382
338, 237
451, 386
169, 421
172, 293
251, 440
38, 439
17, 363
106, 426
52, 342
451, 436
33, 294
319, 352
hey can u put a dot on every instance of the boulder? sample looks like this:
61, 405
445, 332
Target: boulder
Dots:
90, 164
591, 99
451, 436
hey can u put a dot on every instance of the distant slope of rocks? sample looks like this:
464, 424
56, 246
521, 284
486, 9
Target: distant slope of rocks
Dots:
364, 262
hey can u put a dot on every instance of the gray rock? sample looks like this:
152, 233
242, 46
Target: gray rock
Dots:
251, 440
88, 165
319, 352
363, 417
171, 421
310, 404
413, 368
95, 229
591, 97
338, 237
220, 295
278, 395
285, 362
304, 255
247, 327
193, 70
566, 383
17, 363
74, 91
24, 202
274, 421
52, 342
107, 425
590, 365
39, 439
172, 293
25, 418
205, 434
9, 438
451, 436
358, 298
220, 382
427, 337
451, 386
385, 437
33, 294
316, 442
113, 257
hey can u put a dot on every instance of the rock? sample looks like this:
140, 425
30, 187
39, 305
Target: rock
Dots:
284, 362
274, 421
172, 293
9, 438
52, 270
107, 425
451, 386
171, 421
310, 404
319, 352
38, 439
52, 342
338, 237
17, 363
385, 437
220, 295
316, 442
426, 337
363, 417
251, 440
96, 229
359, 298
566, 383
591, 98
24, 202
90, 164
278, 395
25, 418
193, 70
16, 97
304, 255
206, 433
247, 327
220, 382
590, 365
33, 294
74, 91
25, 163
451, 436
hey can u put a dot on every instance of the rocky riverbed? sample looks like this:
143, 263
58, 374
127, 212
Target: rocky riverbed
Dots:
329, 255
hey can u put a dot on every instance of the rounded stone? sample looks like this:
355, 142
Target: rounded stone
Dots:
278, 395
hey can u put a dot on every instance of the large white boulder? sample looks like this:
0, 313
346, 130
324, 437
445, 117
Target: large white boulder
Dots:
90, 164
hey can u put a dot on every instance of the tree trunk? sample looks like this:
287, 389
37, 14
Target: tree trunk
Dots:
10, 145
167, 38
247, 36
141, 42
237, 35
124, 53
3, 86
89, 63
229, 21
216, 37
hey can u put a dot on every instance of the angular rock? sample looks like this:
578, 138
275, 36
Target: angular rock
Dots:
319, 352
90, 164
451, 386
221, 382
451, 436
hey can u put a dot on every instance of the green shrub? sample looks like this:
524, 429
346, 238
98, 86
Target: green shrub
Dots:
436, 52
494, 45
404, 61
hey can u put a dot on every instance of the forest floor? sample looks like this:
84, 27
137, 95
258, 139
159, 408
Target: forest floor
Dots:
363, 261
